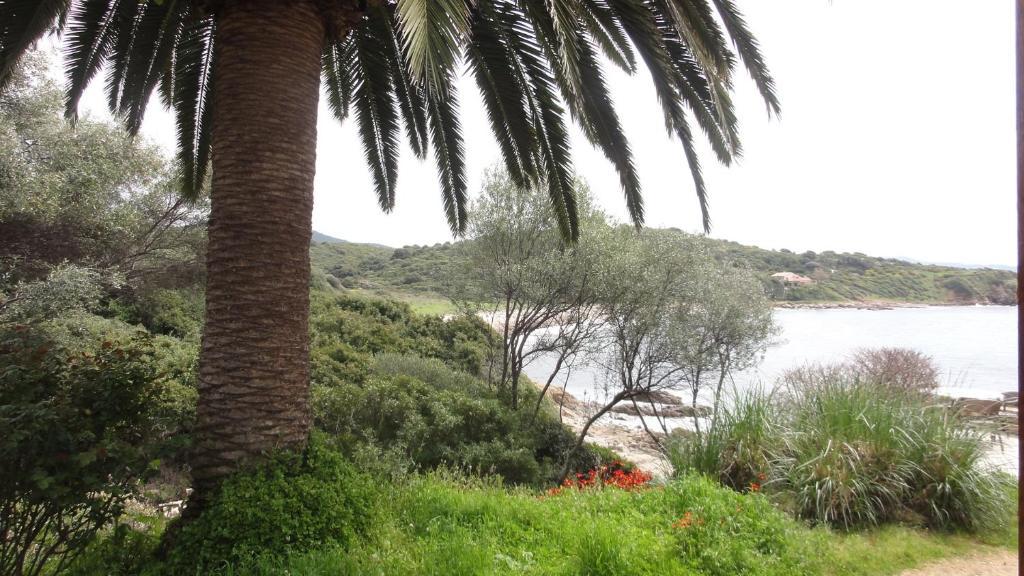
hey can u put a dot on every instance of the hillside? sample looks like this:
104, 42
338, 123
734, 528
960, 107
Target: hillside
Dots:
420, 272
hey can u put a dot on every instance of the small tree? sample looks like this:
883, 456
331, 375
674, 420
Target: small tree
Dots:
515, 260
75, 439
673, 318
724, 325
642, 277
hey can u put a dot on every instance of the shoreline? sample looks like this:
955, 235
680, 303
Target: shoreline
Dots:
624, 434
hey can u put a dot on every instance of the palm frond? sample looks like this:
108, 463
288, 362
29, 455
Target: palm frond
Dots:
446, 136
410, 96
22, 23
566, 40
606, 30
695, 22
433, 33
749, 52
700, 90
124, 35
337, 77
590, 105
686, 137
90, 33
493, 66
191, 90
601, 125
546, 114
375, 109
142, 61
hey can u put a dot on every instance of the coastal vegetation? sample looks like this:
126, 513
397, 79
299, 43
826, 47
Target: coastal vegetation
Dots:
418, 273
424, 456
857, 444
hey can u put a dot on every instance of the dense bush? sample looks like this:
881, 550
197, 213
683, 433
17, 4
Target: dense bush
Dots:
418, 413
848, 451
902, 368
348, 330
77, 431
292, 503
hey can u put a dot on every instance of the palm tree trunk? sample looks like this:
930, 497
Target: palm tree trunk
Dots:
254, 363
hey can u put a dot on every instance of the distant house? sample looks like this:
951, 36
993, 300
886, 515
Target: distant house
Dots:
789, 278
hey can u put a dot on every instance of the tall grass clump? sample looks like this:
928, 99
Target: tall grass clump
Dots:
739, 446
846, 459
861, 451
838, 447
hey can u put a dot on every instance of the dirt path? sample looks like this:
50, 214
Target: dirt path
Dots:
1002, 563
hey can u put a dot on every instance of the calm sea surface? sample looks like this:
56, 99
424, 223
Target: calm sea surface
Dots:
975, 347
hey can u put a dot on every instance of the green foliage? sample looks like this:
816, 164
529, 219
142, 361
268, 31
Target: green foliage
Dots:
87, 193
348, 330
440, 525
721, 533
66, 289
77, 433
437, 526
120, 551
175, 312
838, 277
850, 452
739, 447
290, 504
414, 412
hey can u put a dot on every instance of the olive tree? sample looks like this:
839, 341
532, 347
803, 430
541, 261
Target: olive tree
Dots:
724, 325
538, 291
673, 318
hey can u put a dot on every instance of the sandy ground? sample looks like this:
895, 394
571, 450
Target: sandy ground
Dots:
1003, 563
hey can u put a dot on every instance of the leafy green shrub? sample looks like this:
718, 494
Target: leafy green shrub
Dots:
721, 533
122, 551
431, 371
293, 503
417, 412
76, 436
347, 331
176, 313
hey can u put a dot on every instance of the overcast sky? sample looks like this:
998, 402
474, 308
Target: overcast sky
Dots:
896, 139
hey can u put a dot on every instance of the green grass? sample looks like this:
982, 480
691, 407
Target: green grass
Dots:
892, 549
438, 526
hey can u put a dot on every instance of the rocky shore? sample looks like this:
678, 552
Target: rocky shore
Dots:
621, 430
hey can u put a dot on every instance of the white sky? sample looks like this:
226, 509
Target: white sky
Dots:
896, 139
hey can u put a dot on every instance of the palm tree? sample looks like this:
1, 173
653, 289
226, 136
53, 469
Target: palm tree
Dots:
243, 78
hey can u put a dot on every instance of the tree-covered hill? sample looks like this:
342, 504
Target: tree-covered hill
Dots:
418, 271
